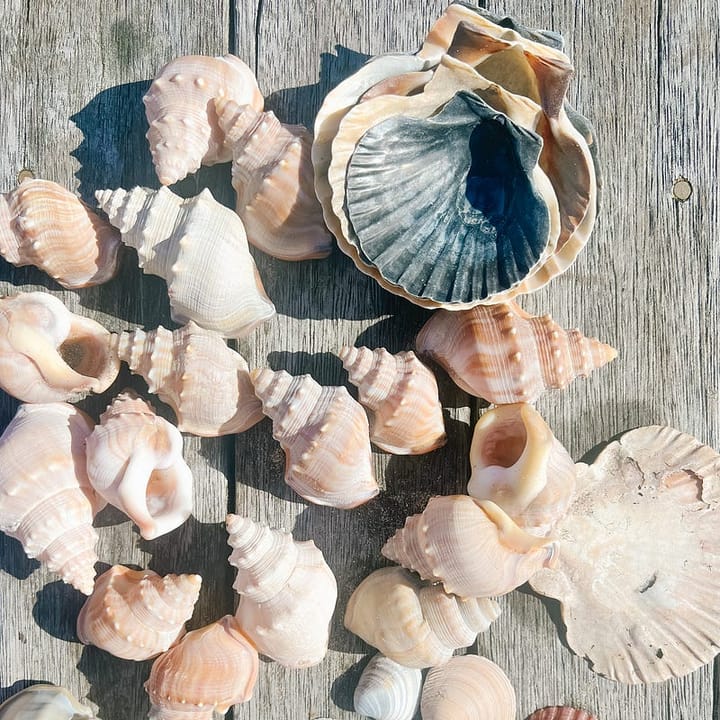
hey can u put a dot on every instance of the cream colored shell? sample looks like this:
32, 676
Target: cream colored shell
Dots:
44, 702
387, 690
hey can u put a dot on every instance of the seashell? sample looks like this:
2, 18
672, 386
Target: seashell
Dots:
287, 593
44, 702
208, 671
636, 571
506, 355
137, 614
518, 464
402, 397
205, 382
472, 547
325, 436
388, 691
45, 225
46, 501
183, 240
273, 178
135, 462
49, 354
184, 131
414, 623
468, 687
561, 713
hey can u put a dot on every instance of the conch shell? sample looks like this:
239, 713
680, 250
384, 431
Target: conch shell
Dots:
561, 713
287, 593
45, 225
183, 240
387, 690
44, 702
325, 435
402, 397
135, 462
137, 614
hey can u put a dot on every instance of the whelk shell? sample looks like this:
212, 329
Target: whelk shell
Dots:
44, 702
387, 690
561, 713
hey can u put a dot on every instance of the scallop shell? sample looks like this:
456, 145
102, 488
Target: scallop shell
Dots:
137, 614
210, 670
205, 382
43, 224
472, 547
388, 691
506, 355
135, 462
184, 131
49, 354
414, 623
402, 397
637, 558
561, 713
287, 593
183, 240
46, 501
44, 702
325, 435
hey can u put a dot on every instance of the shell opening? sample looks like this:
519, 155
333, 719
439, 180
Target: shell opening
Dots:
503, 449
85, 354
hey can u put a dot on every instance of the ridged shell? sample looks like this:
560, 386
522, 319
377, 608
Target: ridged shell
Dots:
472, 547
183, 240
45, 225
388, 691
325, 436
287, 593
208, 671
46, 501
44, 702
49, 354
137, 614
505, 355
401, 395
561, 713
184, 131
135, 462
414, 623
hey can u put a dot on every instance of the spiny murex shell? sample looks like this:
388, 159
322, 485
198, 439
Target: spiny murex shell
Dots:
287, 592
564, 712
387, 690
44, 702
137, 614
183, 240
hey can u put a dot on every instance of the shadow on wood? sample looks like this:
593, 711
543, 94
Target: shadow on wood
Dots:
56, 610
13, 559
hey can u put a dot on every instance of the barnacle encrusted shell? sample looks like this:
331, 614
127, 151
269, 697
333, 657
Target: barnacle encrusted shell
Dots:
401, 395
561, 713
184, 240
637, 557
45, 225
135, 462
412, 622
325, 436
287, 592
137, 614
387, 690
505, 355
44, 702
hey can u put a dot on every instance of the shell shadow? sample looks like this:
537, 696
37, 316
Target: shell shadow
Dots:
343, 687
56, 609
325, 368
13, 559
554, 611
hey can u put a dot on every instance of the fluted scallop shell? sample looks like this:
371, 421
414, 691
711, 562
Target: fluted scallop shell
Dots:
325, 435
46, 501
45, 225
184, 131
637, 557
44, 702
137, 614
561, 713
135, 462
506, 355
49, 354
207, 672
401, 395
287, 593
473, 548
273, 178
412, 622
183, 240
387, 690
468, 687
519, 464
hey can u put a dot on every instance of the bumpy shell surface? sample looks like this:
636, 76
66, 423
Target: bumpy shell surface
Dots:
135, 462
414, 623
45, 225
46, 501
387, 690
638, 553
287, 593
402, 397
505, 355
137, 614
561, 713
325, 435
183, 240
44, 702
184, 131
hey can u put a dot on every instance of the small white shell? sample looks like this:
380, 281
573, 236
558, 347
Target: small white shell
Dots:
388, 691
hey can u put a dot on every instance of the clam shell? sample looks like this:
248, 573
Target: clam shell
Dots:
561, 713
388, 691
44, 702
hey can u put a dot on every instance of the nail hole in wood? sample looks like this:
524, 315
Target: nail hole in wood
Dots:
681, 189
25, 174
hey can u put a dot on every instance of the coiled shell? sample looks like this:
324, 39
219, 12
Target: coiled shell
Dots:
388, 691
44, 702
561, 713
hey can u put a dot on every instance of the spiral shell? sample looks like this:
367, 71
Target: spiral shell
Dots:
44, 702
388, 691
561, 713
